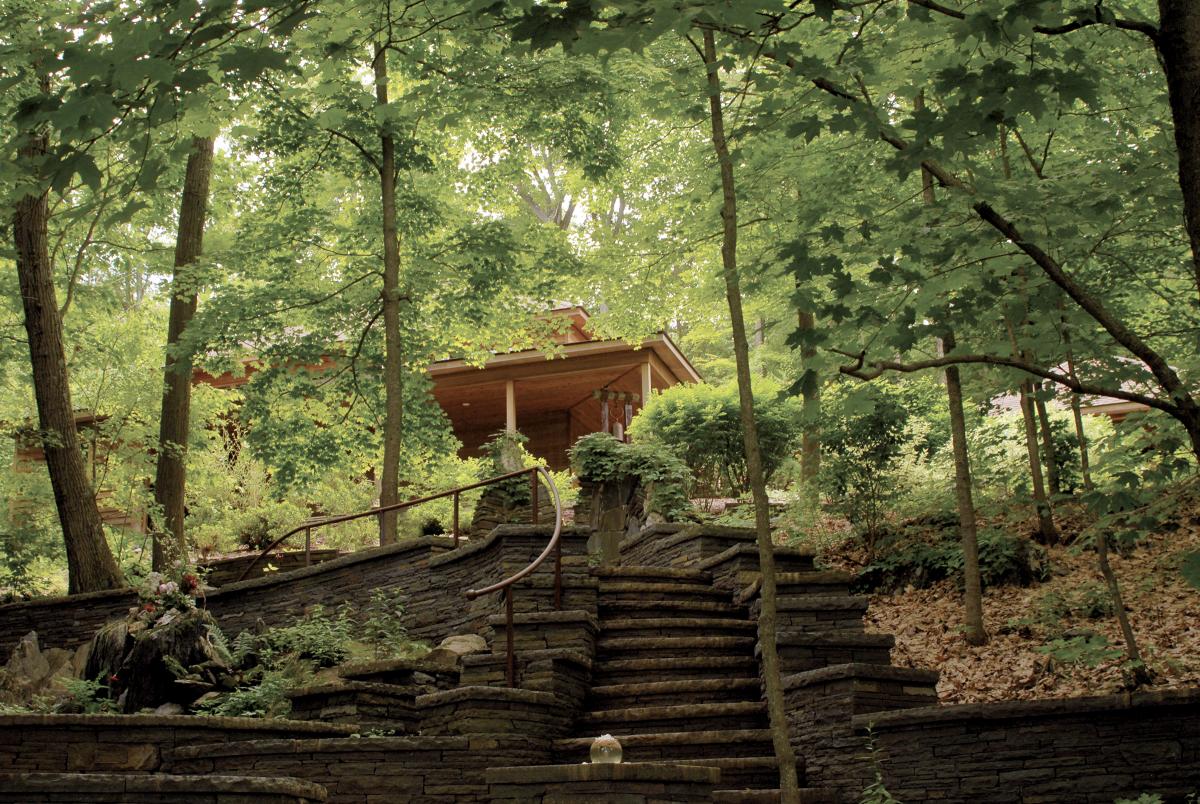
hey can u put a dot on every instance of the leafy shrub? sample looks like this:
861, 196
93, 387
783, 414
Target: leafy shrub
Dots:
383, 626
317, 637
266, 698
862, 436
1089, 601
601, 457
702, 424
907, 560
1087, 649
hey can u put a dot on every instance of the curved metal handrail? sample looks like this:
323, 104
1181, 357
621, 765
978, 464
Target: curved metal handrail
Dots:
383, 509
553, 544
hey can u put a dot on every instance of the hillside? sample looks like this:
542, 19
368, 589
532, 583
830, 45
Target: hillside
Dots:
1162, 607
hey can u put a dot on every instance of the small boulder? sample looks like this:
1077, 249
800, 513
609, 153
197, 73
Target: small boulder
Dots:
454, 647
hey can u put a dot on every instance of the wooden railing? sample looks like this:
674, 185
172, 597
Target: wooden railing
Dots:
455, 493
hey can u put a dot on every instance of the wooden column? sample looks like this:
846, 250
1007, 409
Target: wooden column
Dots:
510, 406
646, 386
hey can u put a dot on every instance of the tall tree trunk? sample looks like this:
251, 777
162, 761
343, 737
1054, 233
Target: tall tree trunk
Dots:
1045, 514
974, 630
810, 438
90, 563
1179, 45
1049, 451
170, 475
393, 363
772, 681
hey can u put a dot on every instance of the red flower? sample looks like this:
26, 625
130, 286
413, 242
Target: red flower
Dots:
112, 678
190, 582
149, 606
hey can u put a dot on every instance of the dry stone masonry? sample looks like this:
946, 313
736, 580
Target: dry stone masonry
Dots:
657, 645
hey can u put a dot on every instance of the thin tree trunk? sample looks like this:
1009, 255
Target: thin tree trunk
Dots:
772, 681
170, 475
90, 563
974, 630
1179, 45
1045, 514
393, 364
810, 438
1049, 451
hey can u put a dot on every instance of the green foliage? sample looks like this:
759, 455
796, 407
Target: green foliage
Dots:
702, 425
914, 559
316, 636
863, 435
382, 626
266, 698
1089, 601
91, 697
876, 792
600, 457
1087, 649
1144, 798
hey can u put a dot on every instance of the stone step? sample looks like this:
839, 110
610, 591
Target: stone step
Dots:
632, 609
787, 584
609, 648
693, 577
742, 772
808, 795
362, 703
660, 693
743, 557
679, 668
616, 590
675, 746
685, 717
820, 612
675, 627
404, 672
800, 651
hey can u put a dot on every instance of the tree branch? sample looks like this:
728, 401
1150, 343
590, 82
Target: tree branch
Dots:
863, 370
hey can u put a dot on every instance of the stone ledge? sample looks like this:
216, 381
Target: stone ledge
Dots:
173, 721
157, 783
351, 671
473, 742
335, 688
499, 533
834, 638
569, 616
480, 693
586, 772
873, 672
358, 557
528, 656
750, 549
1020, 710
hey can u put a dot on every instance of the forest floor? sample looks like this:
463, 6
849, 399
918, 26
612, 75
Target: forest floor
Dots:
1164, 612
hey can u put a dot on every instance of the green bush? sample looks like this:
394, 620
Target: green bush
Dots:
600, 457
1089, 601
315, 637
702, 424
905, 559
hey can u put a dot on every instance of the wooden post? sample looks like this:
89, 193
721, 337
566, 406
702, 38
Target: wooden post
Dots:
456, 519
510, 406
646, 386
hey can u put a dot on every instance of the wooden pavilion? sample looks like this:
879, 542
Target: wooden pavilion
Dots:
588, 386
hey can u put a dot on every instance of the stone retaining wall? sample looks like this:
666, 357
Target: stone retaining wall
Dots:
429, 770
430, 579
224, 571
128, 743
628, 783
98, 788
1077, 749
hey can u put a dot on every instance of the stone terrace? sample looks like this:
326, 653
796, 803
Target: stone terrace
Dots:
659, 649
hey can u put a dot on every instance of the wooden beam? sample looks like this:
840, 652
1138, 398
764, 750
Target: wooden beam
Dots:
617, 363
510, 406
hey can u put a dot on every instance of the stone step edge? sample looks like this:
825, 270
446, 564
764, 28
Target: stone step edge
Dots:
528, 656
673, 738
566, 616
353, 671
220, 784
813, 578
736, 550
638, 623
667, 687
374, 687
651, 643
637, 714
645, 571
674, 663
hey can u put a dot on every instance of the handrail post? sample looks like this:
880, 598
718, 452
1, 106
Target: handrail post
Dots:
533, 495
510, 670
380, 517
308, 547
456, 519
